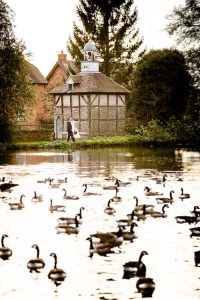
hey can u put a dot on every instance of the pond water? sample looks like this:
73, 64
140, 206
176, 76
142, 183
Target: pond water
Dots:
170, 259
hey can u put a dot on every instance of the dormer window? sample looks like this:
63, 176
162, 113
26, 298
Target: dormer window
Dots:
70, 86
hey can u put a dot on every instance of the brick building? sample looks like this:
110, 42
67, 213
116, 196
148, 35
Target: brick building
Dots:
41, 109
96, 103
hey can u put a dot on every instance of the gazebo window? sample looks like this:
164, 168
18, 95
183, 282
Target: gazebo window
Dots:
21, 116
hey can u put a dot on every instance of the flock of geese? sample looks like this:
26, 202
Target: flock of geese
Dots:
105, 243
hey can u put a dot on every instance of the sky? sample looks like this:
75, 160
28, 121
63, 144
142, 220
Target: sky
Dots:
45, 26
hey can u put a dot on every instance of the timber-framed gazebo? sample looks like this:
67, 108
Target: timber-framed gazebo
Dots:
95, 102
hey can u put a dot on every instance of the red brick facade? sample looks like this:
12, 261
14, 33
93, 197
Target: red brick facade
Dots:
41, 112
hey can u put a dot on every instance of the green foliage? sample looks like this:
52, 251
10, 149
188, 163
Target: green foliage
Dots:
161, 87
184, 24
15, 86
112, 25
154, 131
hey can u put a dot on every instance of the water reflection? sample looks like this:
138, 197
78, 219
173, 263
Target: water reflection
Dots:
170, 259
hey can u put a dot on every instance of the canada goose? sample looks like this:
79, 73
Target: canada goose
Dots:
5, 252
138, 207
143, 214
197, 258
100, 249
158, 214
116, 198
111, 239
130, 234
43, 180
195, 231
187, 219
149, 192
35, 264
52, 184
128, 221
109, 210
119, 182
17, 205
85, 193
135, 268
112, 186
196, 211
58, 208
169, 200
6, 186
69, 197
145, 286
55, 274
69, 229
184, 195
160, 180
71, 220
37, 198
63, 180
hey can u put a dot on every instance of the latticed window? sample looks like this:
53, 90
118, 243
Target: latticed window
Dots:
21, 116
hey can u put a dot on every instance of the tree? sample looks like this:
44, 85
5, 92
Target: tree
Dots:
112, 25
185, 26
15, 86
161, 87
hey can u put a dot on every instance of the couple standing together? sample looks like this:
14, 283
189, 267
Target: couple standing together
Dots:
70, 129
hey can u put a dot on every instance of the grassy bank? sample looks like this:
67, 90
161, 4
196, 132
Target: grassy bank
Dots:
63, 144
87, 143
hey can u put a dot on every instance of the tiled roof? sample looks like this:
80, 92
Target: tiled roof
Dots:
91, 83
66, 66
35, 75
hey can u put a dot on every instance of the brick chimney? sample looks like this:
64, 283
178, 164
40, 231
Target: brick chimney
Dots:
62, 57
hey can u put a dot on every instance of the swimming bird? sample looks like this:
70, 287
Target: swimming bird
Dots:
158, 214
116, 198
56, 275
71, 220
195, 231
139, 207
52, 184
5, 252
17, 205
119, 182
196, 211
45, 180
128, 221
111, 239
35, 264
69, 229
101, 249
145, 286
69, 197
85, 193
135, 268
3, 179
183, 195
197, 258
169, 200
37, 198
58, 208
161, 180
149, 192
6, 186
187, 219
63, 180
130, 234
143, 214
109, 210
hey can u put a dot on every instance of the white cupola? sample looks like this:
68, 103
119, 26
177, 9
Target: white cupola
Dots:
90, 64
